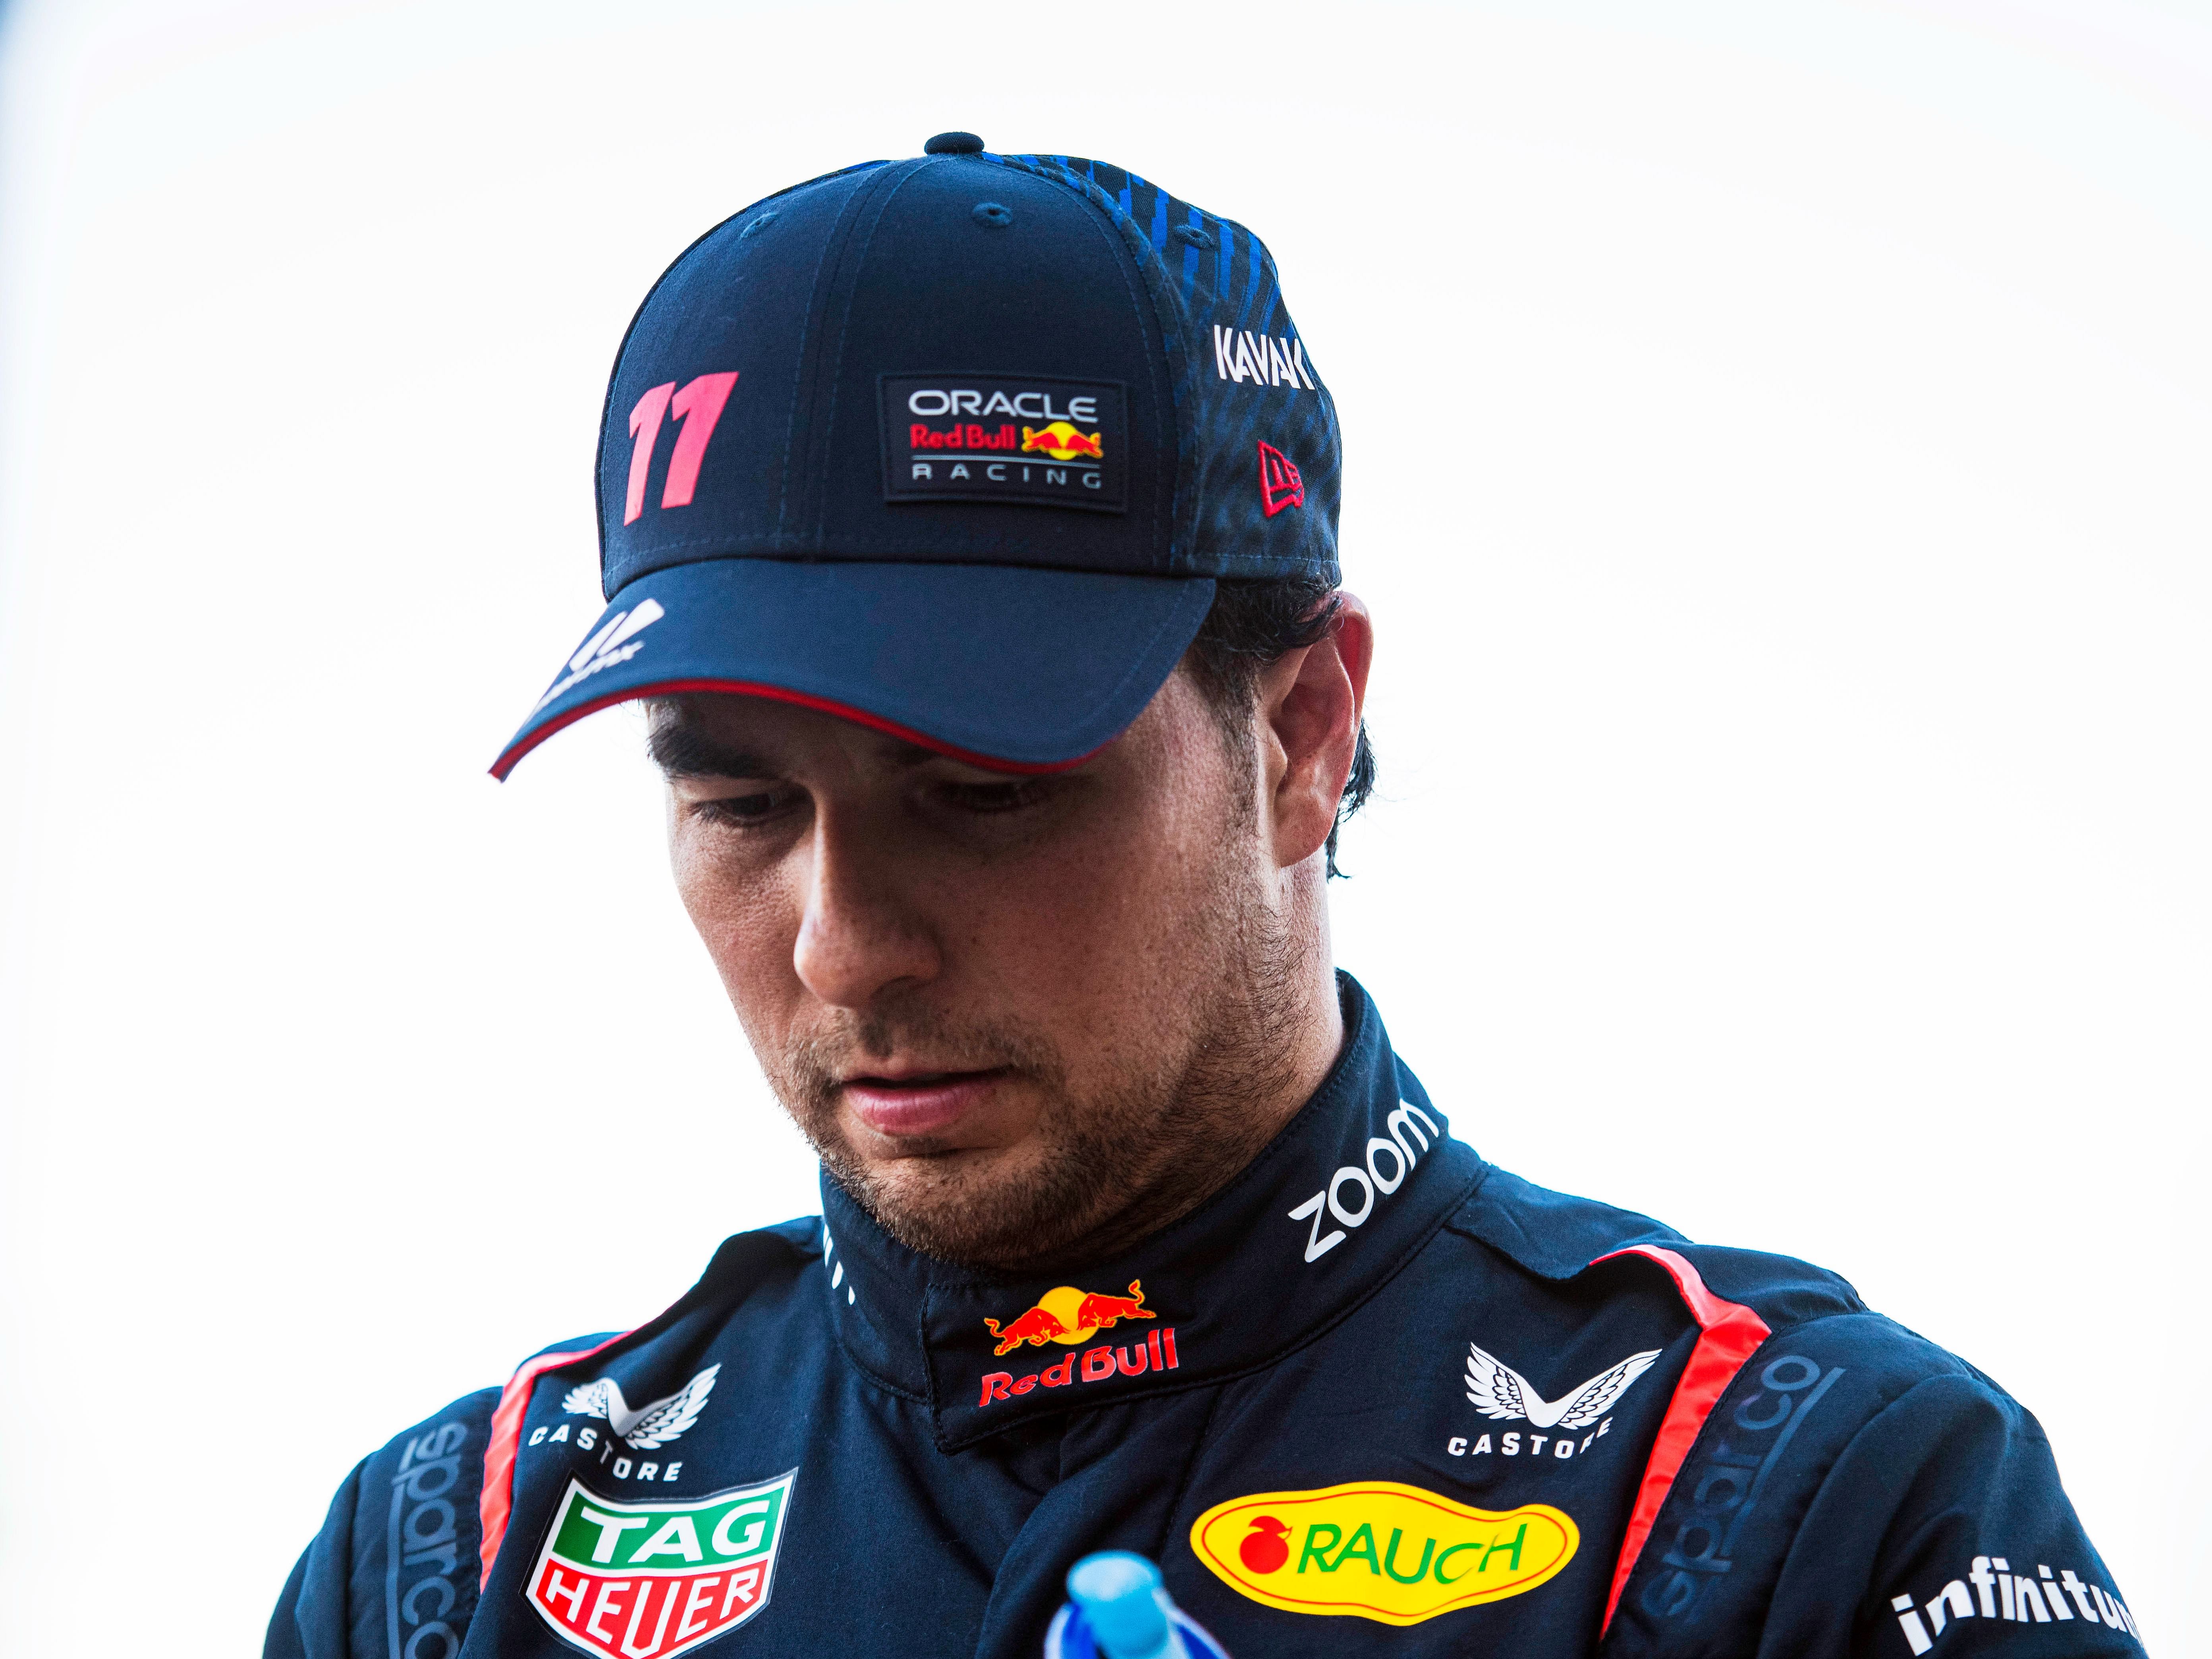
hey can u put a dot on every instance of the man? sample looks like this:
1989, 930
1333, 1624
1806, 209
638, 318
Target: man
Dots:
969, 524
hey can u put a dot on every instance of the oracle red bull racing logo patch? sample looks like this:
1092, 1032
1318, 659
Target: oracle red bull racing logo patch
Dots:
1070, 1317
1374, 1549
651, 1580
993, 438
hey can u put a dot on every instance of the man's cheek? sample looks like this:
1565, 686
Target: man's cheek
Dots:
1045, 943
749, 930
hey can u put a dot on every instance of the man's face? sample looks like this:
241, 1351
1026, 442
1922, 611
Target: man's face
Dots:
1003, 1009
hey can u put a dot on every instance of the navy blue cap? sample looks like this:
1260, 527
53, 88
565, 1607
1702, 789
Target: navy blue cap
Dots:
954, 447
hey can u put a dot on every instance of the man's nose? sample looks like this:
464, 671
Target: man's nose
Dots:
857, 939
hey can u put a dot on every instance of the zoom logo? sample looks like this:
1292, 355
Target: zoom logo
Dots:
1354, 1190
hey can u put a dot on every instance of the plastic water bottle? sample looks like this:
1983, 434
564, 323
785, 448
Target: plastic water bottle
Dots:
1117, 1609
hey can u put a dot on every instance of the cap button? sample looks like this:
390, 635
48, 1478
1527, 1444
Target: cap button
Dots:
953, 143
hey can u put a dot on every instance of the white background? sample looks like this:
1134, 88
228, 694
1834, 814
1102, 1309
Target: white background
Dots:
1777, 439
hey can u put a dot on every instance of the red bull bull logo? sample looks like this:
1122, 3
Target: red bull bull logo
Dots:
1070, 1317
1063, 442
1066, 1315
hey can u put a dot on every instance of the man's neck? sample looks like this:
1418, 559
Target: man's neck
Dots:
1236, 1099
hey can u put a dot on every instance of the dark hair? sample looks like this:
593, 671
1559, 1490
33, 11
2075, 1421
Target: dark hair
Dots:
1253, 623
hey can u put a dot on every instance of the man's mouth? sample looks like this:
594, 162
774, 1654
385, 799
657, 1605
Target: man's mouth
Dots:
918, 1102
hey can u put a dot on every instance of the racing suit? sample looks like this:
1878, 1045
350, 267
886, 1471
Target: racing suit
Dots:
1376, 1396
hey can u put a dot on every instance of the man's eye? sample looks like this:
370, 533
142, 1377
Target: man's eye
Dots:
749, 809
1009, 797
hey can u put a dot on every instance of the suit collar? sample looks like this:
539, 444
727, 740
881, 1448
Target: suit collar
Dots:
1353, 1186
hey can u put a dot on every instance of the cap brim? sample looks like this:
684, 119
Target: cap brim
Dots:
1008, 667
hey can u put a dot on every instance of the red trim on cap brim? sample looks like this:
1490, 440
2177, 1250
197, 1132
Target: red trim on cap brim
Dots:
1729, 1333
523, 745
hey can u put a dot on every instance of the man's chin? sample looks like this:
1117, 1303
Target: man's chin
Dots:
977, 1207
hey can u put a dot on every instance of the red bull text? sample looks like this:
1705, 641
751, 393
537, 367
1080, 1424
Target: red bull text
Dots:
1156, 1352
970, 436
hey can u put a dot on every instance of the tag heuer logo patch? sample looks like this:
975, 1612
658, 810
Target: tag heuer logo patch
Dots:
648, 1581
1002, 438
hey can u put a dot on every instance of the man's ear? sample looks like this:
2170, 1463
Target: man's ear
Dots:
1309, 707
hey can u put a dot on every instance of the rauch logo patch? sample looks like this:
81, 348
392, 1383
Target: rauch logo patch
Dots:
993, 438
651, 1580
1377, 1550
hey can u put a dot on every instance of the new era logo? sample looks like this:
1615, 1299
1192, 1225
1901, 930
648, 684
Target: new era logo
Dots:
1281, 486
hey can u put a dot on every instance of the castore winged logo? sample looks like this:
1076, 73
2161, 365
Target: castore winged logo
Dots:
650, 1425
1499, 1391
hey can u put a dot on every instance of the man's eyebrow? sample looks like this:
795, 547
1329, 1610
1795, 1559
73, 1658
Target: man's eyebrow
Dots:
684, 751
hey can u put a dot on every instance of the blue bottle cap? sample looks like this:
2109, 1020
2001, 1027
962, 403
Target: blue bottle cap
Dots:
1120, 1596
